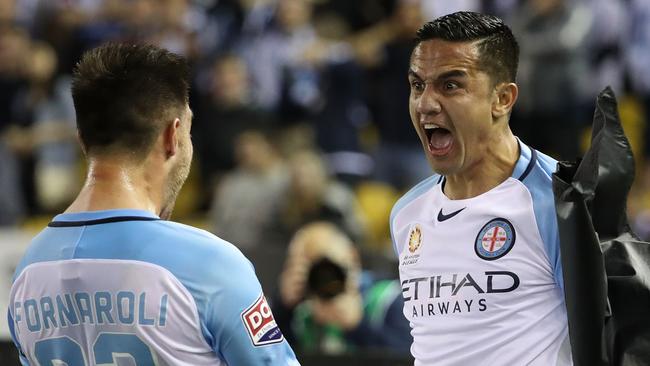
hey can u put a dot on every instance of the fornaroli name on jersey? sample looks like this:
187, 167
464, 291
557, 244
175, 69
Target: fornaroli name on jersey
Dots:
443, 294
110, 307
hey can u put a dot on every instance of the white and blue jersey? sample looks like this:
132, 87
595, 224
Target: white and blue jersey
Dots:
122, 287
481, 277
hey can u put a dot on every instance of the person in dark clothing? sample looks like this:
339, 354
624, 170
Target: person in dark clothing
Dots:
221, 116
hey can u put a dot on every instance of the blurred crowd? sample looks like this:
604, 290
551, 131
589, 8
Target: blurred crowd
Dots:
301, 110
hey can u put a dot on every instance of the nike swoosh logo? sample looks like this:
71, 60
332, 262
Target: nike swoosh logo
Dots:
442, 217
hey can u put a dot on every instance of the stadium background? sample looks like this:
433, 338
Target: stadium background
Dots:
300, 110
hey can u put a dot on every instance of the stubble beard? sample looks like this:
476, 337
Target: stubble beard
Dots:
177, 178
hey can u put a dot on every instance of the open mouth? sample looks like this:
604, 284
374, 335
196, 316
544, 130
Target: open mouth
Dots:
440, 139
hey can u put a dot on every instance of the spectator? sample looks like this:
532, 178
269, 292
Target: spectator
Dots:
341, 111
272, 51
221, 115
43, 133
313, 195
54, 132
13, 48
552, 36
605, 47
242, 211
242, 208
398, 157
637, 54
327, 303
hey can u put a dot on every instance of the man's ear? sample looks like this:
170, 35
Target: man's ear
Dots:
171, 137
504, 100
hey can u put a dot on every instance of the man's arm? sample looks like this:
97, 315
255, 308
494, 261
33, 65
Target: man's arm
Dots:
241, 322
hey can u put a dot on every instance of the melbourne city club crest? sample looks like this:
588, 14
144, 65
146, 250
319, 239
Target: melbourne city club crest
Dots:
495, 239
415, 238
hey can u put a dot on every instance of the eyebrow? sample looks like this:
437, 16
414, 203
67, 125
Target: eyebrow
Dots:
453, 74
414, 74
444, 75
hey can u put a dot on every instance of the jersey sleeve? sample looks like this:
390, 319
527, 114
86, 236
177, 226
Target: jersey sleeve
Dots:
539, 184
240, 320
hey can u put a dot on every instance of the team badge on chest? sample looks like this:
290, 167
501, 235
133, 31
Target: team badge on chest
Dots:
495, 239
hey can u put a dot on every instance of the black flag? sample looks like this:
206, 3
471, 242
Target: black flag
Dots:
606, 267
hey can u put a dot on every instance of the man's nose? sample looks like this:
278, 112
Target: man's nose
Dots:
429, 102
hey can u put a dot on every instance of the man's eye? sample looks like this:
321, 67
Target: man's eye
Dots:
451, 85
417, 85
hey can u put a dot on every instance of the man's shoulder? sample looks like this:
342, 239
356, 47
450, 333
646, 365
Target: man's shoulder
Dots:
195, 236
414, 193
191, 244
545, 165
534, 170
185, 251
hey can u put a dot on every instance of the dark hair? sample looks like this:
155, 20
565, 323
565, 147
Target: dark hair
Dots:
124, 93
498, 48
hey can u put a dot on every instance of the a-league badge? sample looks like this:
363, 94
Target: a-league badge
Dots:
495, 239
415, 238
260, 324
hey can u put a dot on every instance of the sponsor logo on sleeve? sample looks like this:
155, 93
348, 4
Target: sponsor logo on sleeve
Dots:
260, 324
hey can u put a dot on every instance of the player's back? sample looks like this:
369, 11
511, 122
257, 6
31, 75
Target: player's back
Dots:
124, 287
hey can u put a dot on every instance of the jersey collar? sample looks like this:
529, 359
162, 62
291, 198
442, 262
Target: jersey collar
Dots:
101, 217
526, 161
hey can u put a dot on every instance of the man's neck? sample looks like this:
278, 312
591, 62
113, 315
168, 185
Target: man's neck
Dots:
495, 167
111, 185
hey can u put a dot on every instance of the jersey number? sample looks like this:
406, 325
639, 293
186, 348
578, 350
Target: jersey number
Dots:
110, 349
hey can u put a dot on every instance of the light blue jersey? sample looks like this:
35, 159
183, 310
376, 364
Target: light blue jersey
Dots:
123, 287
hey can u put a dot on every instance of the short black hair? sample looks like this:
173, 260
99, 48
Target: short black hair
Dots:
124, 93
498, 48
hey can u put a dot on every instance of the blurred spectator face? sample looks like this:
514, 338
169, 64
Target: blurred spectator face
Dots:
173, 12
293, 14
321, 240
7, 11
544, 7
310, 244
331, 26
308, 174
230, 81
42, 63
408, 17
14, 49
142, 13
324, 240
252, 150
115, 10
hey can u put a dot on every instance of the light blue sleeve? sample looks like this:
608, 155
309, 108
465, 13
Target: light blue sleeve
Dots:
235, 342
10, 322
539, 184
227, 293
